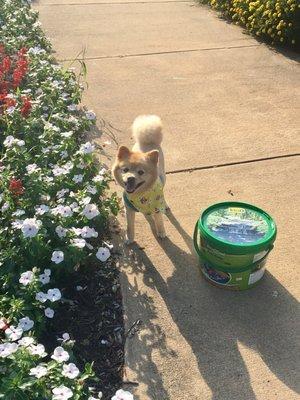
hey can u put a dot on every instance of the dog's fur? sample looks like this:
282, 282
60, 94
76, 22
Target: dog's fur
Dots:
137, 170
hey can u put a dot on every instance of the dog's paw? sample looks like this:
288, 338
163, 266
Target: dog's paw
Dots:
162, 234
128, 242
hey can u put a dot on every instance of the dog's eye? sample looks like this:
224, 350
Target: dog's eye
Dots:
141, 172
125, 170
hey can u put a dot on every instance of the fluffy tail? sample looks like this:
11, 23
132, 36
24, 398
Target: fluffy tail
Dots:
147, 130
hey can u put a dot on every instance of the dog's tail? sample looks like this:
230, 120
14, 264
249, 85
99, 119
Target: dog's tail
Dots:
147, 130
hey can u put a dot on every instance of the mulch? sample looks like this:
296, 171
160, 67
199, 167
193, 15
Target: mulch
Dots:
93, 316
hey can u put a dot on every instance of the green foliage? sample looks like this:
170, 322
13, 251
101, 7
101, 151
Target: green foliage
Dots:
275, 20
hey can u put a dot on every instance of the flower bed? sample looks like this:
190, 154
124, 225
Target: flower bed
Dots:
275, 20
54, 207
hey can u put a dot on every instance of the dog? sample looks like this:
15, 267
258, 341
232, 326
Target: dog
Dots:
141, 173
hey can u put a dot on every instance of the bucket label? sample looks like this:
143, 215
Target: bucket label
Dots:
220, 277
260, 255
237, 225
256, 276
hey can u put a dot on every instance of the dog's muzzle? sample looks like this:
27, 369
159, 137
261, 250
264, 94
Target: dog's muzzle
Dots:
130, 185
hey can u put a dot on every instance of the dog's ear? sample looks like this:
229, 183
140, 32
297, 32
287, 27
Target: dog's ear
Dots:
153, 156
123, 153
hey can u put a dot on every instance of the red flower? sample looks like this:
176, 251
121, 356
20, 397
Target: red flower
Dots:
6, 64
26, 108
10, 102
16, 187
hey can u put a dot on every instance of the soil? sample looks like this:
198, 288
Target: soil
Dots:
93, 316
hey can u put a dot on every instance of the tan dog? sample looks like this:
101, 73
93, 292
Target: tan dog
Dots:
141, 172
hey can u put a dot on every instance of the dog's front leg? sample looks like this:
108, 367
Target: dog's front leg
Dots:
130, 217
159, 224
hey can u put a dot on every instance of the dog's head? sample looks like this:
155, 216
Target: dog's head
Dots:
136, 172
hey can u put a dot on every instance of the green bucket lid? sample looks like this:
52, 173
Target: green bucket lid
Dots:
237, 228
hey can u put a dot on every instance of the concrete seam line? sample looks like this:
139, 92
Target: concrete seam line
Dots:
205, 167
163, 52
117, 2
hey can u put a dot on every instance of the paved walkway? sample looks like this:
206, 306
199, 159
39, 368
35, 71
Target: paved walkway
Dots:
225, 100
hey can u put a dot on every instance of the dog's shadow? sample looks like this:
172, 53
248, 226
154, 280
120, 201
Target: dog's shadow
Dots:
214, 321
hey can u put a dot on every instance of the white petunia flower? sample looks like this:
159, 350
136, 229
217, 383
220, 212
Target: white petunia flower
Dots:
74, 206
72, 107
66, 336
90, 115
10, 110
81, 165
6, 349
13, 333
64, 154
90, 211
45, 197
49, 312
64, 211
31, 168
80, 243
87, 232
58, 171
25, 324
17, 224
98, 178
37, 350
91, 189
61, 393
86, 200
38, 371
70, 371
30, 227
122, 395
5, 207
60, 355
77, 178
42, 297
57, 257
54, 295
9, 141
87, 148
44, 279
18, 213
42, 209
47, 272
26, 341
61, 193
61, 232
67, 134
77, 231
103, 254
26, 278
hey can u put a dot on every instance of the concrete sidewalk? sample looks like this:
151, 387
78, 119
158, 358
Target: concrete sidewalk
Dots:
225, 99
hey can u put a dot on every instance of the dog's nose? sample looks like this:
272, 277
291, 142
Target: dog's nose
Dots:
130, 180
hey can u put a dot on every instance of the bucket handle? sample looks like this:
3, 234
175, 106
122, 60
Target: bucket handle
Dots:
196, 239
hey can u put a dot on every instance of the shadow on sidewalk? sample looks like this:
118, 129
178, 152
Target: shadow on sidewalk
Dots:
214, 321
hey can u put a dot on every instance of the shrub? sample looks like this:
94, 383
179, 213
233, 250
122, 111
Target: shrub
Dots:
54, 207
275, 20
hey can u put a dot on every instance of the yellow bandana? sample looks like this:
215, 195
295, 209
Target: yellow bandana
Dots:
149, 202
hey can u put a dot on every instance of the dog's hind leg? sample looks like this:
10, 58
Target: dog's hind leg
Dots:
159, 224
130, 217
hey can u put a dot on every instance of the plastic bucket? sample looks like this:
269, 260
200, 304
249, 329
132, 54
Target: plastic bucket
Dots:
232, 241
